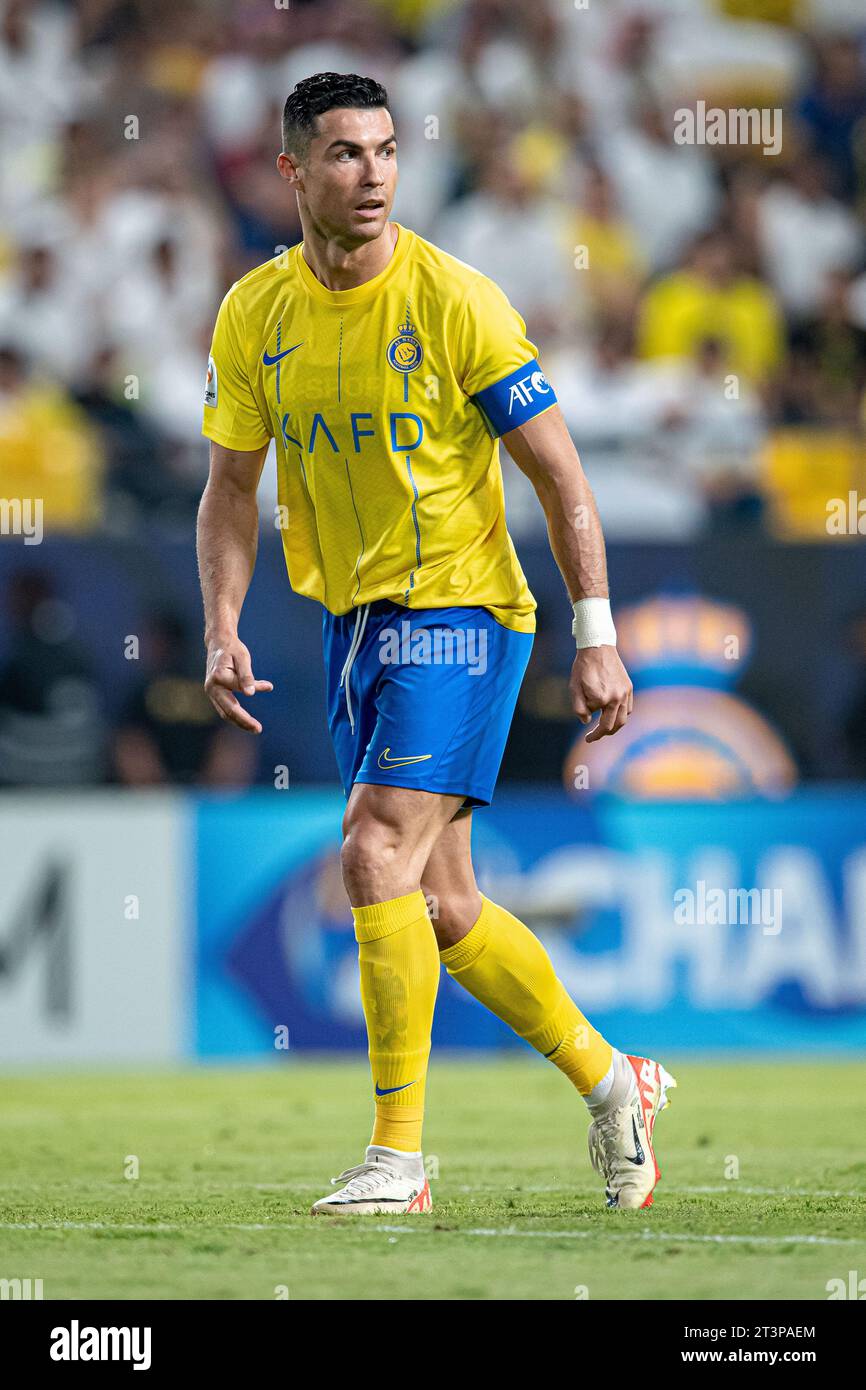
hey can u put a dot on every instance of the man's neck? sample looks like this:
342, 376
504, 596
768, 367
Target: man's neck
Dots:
339, 269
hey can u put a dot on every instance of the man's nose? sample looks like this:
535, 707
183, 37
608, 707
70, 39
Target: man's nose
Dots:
372, 173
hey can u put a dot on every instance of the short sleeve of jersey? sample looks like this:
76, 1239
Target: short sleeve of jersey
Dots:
496, 364
231, 416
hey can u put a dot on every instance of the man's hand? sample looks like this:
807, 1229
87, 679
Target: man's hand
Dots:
599, 681
229, 667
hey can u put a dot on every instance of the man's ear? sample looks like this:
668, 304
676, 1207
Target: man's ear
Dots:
288, 169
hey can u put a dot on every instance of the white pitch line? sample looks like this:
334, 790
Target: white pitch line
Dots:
735, 1186
157, 1227
491, 1189
672, 1190
174, 1228
637, 1235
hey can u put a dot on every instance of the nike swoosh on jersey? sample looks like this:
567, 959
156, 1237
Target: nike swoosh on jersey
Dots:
278, 356
399, 762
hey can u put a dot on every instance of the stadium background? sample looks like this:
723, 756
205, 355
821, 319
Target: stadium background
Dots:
170, 889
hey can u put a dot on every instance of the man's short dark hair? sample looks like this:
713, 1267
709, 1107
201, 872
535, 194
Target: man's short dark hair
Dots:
320, 93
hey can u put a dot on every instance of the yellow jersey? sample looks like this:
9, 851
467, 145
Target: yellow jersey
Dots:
681, 310
386, 402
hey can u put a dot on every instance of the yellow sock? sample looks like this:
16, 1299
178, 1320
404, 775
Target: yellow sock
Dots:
504, 966
399, 978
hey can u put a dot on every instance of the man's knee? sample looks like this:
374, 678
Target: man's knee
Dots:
371, 849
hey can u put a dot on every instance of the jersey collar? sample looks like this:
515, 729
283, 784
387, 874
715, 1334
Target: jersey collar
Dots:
361, 293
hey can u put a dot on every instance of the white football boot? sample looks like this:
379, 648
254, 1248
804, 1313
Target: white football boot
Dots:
387, 1182
620, 1143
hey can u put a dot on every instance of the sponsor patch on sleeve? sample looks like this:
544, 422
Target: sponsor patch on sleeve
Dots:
210, 385
515, 399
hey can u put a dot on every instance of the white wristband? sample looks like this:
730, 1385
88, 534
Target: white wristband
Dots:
593, 623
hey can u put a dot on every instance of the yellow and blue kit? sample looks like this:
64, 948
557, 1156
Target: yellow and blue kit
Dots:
386, 402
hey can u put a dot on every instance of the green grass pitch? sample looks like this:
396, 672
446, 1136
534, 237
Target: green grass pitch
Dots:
229, 1161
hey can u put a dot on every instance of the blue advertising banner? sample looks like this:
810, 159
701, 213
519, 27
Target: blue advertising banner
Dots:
738, 925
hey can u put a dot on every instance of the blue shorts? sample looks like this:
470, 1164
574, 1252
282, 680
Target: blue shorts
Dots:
422, 697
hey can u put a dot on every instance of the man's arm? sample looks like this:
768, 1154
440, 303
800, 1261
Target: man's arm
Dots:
228, 534
543, 450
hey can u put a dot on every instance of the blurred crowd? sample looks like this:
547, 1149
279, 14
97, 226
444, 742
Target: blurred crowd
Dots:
688, 299
59, 726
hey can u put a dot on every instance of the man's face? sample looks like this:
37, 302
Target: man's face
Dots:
349, 178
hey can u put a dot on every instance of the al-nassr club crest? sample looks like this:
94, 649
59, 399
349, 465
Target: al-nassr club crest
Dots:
405, 352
